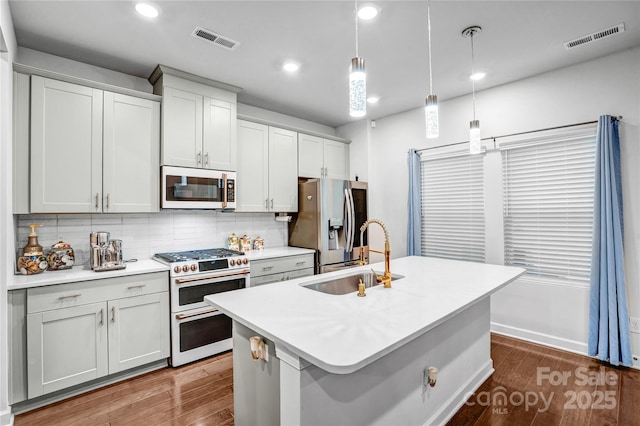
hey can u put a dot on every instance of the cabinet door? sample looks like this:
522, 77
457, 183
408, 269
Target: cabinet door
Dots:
181, 128
138, 330
131, 159
336, 159
219, 135
253, 169
66, 347
310, 156
66, 147
283, 170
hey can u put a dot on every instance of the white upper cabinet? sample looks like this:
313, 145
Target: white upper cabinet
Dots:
131, 145
268, 172
319, 157
199, 122
92, 151
66, 147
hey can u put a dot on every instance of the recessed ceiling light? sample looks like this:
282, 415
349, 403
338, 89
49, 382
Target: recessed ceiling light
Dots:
373, 99
290, 67
477, 76
367, 12
147, 10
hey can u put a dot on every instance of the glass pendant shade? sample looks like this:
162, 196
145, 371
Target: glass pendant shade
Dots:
431, 116
475, 144
357, 88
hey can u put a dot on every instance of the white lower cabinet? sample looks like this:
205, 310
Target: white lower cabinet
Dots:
82, 331
266, 271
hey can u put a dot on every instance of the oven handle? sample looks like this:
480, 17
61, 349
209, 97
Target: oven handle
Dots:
224, 190
190, 280
197, 314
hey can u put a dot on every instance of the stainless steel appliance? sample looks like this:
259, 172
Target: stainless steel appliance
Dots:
197, 329
187, 188
106, 254
330, 213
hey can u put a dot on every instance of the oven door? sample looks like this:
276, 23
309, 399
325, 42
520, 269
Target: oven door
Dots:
187, 188
199, 333
188, 292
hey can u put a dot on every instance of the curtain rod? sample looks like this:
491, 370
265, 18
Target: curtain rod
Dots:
493, 138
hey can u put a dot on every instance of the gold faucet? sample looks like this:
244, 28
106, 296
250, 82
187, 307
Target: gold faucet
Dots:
386, 278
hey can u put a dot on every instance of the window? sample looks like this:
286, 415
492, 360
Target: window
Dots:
452, 191
548, 185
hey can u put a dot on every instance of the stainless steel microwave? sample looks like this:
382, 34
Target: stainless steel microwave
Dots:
188, 188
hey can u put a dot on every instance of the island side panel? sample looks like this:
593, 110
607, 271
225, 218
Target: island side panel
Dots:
390, 390
256, 383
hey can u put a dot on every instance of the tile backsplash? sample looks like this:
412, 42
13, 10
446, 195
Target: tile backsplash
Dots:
143, 235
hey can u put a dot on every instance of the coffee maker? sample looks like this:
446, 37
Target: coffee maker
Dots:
106, 254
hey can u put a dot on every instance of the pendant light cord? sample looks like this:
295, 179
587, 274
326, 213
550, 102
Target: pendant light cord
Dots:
473, 82
356, 15
429, 39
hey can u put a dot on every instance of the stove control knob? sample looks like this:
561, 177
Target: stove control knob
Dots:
245, 261
232, 262
194, 267
185, 268
177, 269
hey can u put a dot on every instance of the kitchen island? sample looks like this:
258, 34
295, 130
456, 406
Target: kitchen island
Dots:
343, 359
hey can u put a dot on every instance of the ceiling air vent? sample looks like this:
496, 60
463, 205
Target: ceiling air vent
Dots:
594, 36
214, 38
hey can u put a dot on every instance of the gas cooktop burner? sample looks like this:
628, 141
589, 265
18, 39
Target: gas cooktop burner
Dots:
205, 254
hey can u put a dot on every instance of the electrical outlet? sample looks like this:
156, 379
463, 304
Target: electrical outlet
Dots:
634, 325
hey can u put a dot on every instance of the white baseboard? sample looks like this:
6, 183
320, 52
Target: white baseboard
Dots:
573, 346
6, 417
451, 407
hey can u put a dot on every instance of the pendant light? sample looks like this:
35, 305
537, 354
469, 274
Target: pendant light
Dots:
357, 81
475, 142
431, 102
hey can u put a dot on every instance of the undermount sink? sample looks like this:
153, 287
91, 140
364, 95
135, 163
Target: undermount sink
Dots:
347, 284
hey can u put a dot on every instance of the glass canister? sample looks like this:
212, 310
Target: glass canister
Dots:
234, 242
245, 244
61, 256
34, 264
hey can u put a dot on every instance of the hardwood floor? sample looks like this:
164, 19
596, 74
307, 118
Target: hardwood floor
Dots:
529, 376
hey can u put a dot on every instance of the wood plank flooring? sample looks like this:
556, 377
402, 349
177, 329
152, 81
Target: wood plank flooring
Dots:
201, 393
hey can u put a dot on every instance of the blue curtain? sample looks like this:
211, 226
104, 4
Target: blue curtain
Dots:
413, 205
609, 338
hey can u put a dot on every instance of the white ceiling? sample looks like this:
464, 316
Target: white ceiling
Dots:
519, 39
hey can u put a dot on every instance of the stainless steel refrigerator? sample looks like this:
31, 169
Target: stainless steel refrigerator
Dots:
330, 214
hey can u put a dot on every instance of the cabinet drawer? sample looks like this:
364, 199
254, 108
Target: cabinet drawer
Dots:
282, 276
83, 292
280, 264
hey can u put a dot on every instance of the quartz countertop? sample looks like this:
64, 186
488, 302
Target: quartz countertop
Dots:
343, 333
83, 273
274, 252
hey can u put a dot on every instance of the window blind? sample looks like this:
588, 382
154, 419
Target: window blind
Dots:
452, 192
548, 186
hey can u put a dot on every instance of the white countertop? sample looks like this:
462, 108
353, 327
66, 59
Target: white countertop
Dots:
273, 252
83, 273
343, 333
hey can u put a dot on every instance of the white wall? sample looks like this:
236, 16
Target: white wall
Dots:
548, 314
8, 47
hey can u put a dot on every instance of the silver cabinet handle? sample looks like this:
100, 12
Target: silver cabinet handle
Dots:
113, 314
71, 296
131, 287
206, 159
101, 316
321, 171
97, 199
199, 158
272, 204
326, 172
266, 204
267, 268
300, 263
108, 201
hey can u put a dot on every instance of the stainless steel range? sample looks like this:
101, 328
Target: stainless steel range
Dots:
197, 329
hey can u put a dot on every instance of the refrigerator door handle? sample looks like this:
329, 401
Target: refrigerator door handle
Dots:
350, 220
347, 210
